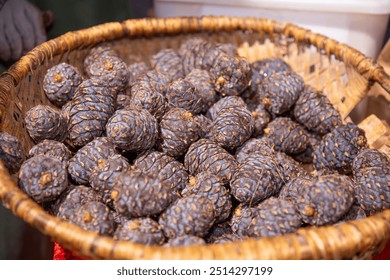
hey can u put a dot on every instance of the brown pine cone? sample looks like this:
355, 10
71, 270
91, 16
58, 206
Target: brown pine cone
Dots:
168, 61
229, 102
11, 152
183, 94
95, 54
51, 148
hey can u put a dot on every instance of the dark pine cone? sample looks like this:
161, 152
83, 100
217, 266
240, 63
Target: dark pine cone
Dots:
229, 102
288, 167
168, 170
315, 112
255, 179
218, 231
209, 186
43, 178
11, 152
193, 215
89, 111
136, 70
293, 189
371, 172
280, 91
148, 92
104, 176
60, 83
123, 101
142, 230
205, 125
111, 70
45, 122
307, 155
274, 217
231, 75
206, 155
261, 69
94, 216
261, 119
193, 52
287, 136
95, 54
51, 148
232, 127
69, 201
132, 129
183, 94
241, 219
339, 147
168, 61
185, 240
178, 130
326, 201
201, 80
254, 145
88, 157
137, 195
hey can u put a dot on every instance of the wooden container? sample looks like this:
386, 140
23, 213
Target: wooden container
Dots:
342, 73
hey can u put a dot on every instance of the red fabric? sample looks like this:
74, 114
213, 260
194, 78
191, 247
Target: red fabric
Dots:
60, 253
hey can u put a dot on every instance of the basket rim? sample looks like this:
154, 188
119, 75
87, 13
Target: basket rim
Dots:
307, 243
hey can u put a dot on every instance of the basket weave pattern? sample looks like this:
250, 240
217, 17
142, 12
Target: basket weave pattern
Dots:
344, 75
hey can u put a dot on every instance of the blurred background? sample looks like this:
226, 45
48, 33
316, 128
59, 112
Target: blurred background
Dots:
362, 24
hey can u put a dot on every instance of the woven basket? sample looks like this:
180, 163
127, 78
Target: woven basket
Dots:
344, 75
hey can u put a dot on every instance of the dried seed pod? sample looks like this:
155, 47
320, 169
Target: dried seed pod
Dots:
183, 94
123, 101
241, 219
227, 238
89, 111
45, 122
293, 189
132, 129
326, 201
232, 127
165, 168
204, 124
218, 231
206, 155
185, 240
288, 167
307, 155
95, 54
211, 187
261, 69
261, 119
193, 215
371, 172
354, 213
201, 80
168, 61
231, 75
137, 195
142, 230
274, 217
43, 178
148, 92
194, 54
136, 70
339, 147
255, 179
188, 44
315, 112
110, 69
178, 130
104, 176
254, 145
69, 201
51, 148
94, 216
11, 152
288, 136
225, 103
213, 53
60, 83
88, 157
280, 91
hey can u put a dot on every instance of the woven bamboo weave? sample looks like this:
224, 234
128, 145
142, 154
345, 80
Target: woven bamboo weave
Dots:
344, 74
